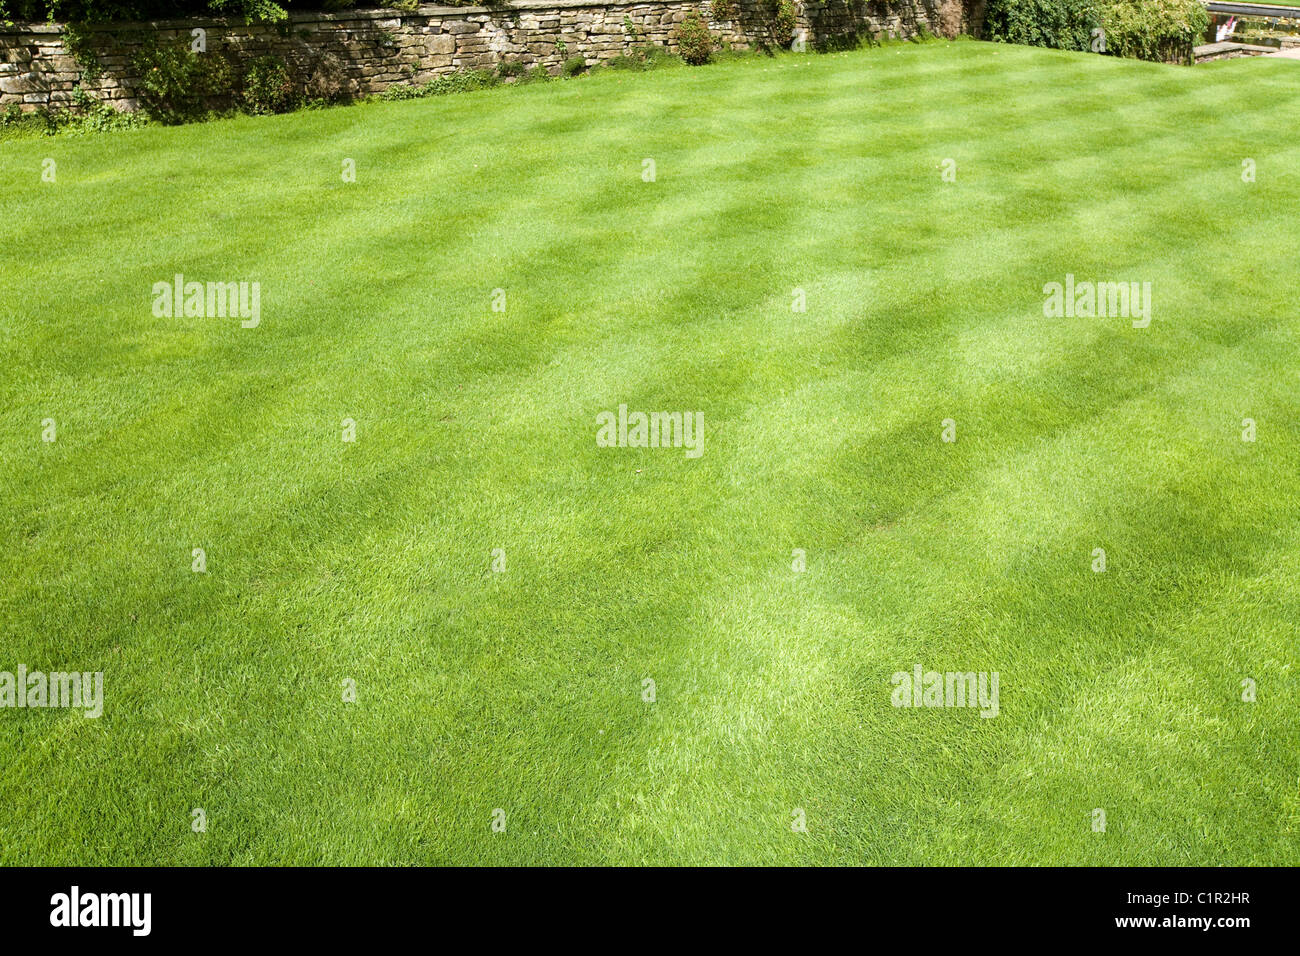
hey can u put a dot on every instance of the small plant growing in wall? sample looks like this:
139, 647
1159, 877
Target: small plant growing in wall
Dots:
694, 41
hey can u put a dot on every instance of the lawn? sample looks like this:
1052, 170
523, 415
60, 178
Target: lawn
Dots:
370, 563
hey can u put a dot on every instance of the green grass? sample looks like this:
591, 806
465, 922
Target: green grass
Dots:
476, 430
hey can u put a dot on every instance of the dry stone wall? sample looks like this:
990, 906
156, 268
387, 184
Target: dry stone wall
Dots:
367, 51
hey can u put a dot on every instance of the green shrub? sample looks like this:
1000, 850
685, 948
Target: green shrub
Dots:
510, 68
405, 91
268, 87
538, 74
656, 56
92, 116
177, 84
1144, 29
83, 114
694, 41
642, 57
723, 11
459, 82
625, 61
1059, 24
251, 10
1162, 30
574, 65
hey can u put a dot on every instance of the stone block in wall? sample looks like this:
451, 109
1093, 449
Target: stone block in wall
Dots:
476, 62
21, 83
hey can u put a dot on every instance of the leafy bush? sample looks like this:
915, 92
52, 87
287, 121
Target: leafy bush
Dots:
510, 68
176, 84
250, 10
326, 82
406, 91
538, 74
694, 41
723, 11
1163, 30
574, 65
641, 57
268, 88
625, 61
92, 116
1144, 29
459, 82
1059, 24
83, 114
655, 56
